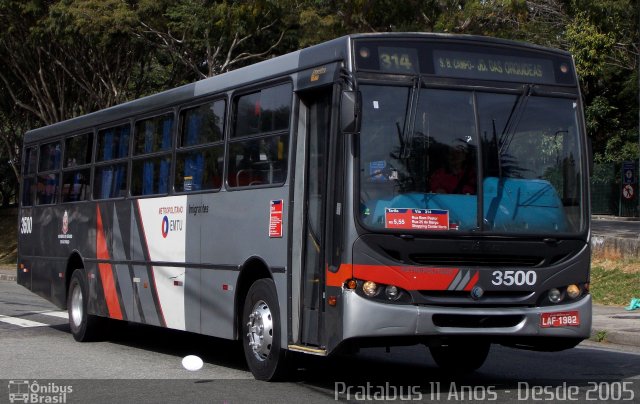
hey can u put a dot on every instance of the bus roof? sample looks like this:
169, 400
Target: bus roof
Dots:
315, 55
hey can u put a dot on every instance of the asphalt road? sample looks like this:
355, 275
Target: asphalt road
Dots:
615, 228
143, 364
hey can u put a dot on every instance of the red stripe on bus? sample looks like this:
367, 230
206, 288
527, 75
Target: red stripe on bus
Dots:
106, 272
338, 278
407, 277
472, 282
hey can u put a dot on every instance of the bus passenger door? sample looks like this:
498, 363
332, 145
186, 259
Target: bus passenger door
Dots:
316, 107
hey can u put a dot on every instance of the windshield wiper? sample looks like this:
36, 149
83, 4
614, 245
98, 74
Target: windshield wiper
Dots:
513, 120
406, 137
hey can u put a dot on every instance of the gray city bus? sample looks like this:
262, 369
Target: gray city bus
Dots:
374, 190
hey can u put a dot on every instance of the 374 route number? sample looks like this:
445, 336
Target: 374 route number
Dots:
514, 278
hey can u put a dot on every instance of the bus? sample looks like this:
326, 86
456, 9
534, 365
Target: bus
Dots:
374, 190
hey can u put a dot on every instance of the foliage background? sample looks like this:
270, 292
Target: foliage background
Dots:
63, 58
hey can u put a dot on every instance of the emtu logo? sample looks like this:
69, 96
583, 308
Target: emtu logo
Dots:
165, 227
170, 225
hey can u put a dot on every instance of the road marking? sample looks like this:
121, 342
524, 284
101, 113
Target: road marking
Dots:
21, 322
59, 314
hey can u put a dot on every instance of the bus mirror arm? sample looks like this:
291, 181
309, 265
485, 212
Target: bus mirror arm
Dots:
350, 112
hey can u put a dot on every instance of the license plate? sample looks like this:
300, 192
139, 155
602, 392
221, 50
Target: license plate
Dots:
563, 319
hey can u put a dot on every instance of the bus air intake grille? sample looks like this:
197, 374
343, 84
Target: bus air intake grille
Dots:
476, 321
462, 294
476, 260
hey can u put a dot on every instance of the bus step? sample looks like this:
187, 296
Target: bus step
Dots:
308, 350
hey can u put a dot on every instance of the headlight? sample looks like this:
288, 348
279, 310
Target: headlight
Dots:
392, 292
555, 295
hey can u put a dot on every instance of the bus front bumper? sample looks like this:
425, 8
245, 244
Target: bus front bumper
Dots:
366, 318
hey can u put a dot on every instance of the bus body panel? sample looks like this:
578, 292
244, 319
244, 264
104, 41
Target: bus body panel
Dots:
398, 321
139, 264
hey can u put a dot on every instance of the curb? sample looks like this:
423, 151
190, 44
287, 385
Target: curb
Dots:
615, 337
8, 273
618, 218
9, 278
601, 245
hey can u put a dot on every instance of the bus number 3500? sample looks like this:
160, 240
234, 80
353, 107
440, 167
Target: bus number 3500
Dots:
517, 278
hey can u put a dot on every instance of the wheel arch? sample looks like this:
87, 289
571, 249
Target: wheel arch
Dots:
253, 269
74, 262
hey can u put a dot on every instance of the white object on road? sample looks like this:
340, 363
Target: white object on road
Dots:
192, 362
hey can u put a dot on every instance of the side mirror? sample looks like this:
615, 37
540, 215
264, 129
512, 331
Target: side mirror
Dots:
350, 111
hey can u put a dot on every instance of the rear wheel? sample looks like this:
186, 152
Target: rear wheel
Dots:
460, 356
261, 331
84, 327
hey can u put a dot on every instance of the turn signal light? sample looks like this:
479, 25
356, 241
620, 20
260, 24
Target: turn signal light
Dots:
370, 288
352, 283
573, 291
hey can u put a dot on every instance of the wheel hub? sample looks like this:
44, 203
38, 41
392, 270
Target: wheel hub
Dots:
76, 306
260, 328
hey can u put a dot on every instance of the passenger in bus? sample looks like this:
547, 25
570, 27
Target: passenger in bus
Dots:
457, 176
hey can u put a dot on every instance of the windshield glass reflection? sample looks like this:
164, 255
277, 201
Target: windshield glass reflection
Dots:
516, 164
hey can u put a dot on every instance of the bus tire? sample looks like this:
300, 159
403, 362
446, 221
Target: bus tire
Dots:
460, 357
84, 327
261, 331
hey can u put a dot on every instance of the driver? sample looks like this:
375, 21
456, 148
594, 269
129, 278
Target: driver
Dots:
457, 176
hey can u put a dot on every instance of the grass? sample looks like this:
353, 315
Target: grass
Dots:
600, 336
615, 282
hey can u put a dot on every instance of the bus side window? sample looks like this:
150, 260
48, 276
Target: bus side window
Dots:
48, 174
150, 176
202, 131
261, 159
110, 180
75, 185
28, 176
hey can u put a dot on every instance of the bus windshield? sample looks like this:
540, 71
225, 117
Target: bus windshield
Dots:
463, 160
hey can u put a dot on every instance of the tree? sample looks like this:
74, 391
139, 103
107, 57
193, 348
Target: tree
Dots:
210, 37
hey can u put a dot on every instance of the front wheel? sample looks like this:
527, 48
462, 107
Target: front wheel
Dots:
460, 357
84, 327
261, 331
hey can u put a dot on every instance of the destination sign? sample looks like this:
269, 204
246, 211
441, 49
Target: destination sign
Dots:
398, 60
465, 61
492, 67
